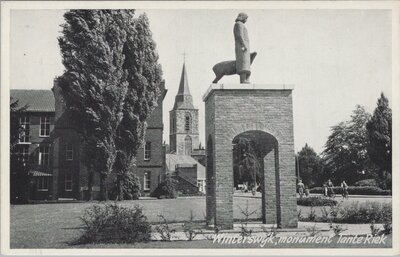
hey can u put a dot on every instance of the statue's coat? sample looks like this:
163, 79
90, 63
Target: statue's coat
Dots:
241, 40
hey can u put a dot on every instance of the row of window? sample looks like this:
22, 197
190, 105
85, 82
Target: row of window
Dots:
44, 154
42, 183
24, 122
188, 123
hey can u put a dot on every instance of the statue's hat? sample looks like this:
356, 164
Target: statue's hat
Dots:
242, 16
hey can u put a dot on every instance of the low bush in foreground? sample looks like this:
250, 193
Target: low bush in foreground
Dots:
354, 190
366, 212
111, 223
315, 201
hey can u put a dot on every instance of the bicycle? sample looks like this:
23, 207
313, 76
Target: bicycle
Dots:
331, 193
345, 194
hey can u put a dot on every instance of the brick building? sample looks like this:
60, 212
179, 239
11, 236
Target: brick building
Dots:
50, 147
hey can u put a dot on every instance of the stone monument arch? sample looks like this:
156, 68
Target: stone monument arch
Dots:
262, 113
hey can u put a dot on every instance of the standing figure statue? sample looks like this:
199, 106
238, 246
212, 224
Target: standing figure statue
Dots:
242, 48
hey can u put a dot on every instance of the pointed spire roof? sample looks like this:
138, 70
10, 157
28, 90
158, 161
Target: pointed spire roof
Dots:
183, 100
184, 85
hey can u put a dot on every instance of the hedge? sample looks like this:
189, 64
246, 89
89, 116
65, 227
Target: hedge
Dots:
315, 201
366, 190
366, 183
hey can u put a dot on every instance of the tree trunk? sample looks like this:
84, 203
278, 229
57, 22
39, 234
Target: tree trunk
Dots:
89, 196
103, 187
119, 188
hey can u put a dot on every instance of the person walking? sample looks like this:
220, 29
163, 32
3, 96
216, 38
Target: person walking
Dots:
331, 192
300, 187
344, 187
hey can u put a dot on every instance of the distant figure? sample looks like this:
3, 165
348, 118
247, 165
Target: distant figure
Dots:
307, 192
344, 187
242, 48
325, 190
331, 192
300, 187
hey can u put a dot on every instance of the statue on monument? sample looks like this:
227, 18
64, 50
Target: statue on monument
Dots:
242, 48
244, 58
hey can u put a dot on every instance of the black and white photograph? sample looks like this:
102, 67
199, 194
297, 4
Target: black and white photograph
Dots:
160, 128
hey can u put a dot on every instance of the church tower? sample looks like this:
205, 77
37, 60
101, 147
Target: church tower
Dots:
184, 120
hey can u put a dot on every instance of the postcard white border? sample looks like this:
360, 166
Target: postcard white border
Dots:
7, 6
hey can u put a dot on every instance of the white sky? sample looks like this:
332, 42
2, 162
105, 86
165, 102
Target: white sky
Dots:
335, 58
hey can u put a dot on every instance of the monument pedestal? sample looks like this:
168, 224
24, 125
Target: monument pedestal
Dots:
264, 114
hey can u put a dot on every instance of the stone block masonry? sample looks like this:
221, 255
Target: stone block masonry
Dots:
249, 109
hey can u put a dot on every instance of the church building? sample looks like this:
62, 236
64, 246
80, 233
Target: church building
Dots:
184, 120
185, 160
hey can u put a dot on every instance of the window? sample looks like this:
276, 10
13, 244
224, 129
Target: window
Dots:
68, 181
69, 152
147, 151
188, 145
42, 184
24, 122
146, 182
200, 185
44, 155
24, 154
173, 125
44, 126
188, 122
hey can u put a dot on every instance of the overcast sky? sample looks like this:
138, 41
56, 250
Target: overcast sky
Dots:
334, 58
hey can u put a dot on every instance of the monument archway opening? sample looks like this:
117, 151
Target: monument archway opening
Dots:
255, 164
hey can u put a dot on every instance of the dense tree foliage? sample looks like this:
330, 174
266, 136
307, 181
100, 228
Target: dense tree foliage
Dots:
310, 167
19, 178
247, 165
379, 131
111, 78
144, 77
345, 153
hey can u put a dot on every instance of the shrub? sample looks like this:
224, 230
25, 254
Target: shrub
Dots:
312, 215
315, 201
189, 227
355, 190
129, 184
166, 189
164, 229
366, 183
366, 212
111, 223
338, 229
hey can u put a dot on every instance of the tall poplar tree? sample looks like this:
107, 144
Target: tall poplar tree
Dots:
111, 85
144, 78
94, 83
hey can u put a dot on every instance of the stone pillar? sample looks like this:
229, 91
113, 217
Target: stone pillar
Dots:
287, 183
265, 111
269, 197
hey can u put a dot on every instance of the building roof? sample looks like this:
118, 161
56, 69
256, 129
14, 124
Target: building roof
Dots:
183, 100
184, 160
184, 85
35, 100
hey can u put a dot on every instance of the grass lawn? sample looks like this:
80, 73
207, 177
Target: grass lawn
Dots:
55, 225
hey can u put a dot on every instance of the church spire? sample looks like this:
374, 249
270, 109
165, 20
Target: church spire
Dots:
184, 85
183, 100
